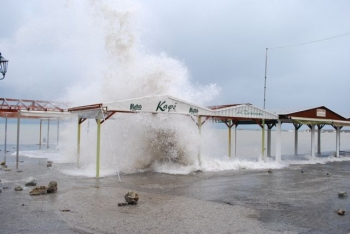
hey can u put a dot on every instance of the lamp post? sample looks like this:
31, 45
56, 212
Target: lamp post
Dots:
263, 120
3, 66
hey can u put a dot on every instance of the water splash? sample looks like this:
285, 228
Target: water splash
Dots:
141, 142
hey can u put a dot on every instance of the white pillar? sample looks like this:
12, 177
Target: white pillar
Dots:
48, 133
337, 142
58, 132
296, 141
313, 145
278, 141
18, 131
200, 140
41, 126
234, 141
229, 141
5, 140
268, 141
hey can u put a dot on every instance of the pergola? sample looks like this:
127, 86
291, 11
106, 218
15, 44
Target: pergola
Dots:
317, 116
231, 115
30, 109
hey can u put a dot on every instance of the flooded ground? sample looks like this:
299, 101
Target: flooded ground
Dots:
296, 199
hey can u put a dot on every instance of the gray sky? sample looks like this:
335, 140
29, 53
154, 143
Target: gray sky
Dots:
53, 46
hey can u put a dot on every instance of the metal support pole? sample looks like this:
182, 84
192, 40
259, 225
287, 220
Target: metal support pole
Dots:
200, 140
263, 140
263, 120
78, 142
98, 148
5, 140
235, 140
318, 139
48, 133
41, 126
313, 148
229, 140
268, 142
58, 132
18, 131
337, 140
295, 141
278, 141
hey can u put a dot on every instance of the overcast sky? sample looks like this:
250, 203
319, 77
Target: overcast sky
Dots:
53, 46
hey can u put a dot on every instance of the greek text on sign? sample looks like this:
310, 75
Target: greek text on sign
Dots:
246, 112
320, 112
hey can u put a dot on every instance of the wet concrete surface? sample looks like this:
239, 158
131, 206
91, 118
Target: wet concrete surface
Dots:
244, 201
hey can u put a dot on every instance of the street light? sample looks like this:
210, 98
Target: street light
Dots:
3, 66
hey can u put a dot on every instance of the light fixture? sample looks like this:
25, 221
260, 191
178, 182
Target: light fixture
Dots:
3, 66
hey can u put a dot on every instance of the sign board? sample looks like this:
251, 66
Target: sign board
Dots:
320, 113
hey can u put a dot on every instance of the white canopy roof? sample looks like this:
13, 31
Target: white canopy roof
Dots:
171, 105
158, 104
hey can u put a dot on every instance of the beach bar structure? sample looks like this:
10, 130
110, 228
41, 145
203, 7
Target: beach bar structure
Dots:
312, 117
31, 109
231, 115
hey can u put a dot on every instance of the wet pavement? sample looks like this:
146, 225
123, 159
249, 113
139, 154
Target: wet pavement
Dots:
297, 199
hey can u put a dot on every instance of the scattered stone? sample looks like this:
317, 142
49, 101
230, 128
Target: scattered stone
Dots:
7, 169
52, 187
131, 198
342, 194
5, 187
302, 171
0, 190
122, 204
65, 210
18, 188
341, 212
31, 181
49, 163
40, 190
328, 174
269, 170
19, 171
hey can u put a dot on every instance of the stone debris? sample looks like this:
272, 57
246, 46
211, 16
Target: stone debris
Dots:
39, 190
269, 170
0, 190
131, 198
65, 210
18, 188
342, 194
7, 169
341, 212
328, 174
31, 181
302, 171
52, 187
123, 204
49, 163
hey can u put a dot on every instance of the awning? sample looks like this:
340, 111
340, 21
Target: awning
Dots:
314, 121
45, 114
311, 121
